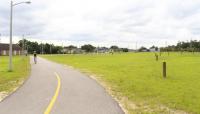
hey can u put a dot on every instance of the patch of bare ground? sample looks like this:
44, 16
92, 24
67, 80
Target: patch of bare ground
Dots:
4, 94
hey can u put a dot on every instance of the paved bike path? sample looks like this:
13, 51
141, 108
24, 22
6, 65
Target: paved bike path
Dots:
78, 94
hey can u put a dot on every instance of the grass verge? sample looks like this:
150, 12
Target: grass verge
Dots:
10, 81
136, 79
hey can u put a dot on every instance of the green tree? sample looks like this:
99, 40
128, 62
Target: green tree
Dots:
124, 49
34, 46
88, 48
115, 48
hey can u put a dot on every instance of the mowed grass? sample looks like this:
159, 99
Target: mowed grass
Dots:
11, 80
138, 77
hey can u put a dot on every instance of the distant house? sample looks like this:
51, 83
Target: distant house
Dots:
154, 49
102, 50
72, 50
143, 49
78, 51
4, 49
132, 50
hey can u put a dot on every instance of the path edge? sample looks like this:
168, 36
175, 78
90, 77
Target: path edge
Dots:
20, 85
98, 81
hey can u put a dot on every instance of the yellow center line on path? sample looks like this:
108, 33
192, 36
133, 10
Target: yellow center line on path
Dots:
53, 100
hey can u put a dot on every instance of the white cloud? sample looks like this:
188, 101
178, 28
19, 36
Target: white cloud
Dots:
106, 22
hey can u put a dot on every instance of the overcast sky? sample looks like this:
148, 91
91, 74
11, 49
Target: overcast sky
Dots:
104, 22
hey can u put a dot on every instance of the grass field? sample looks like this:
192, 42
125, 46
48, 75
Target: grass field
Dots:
138, 78
11, 80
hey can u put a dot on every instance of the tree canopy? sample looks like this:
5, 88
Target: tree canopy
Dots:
39, 48
88, 48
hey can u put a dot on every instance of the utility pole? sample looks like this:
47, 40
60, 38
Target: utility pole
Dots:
50, 49
0, 38
136, 46
63, 48
23, 45
165, 43
27, 49
42, 49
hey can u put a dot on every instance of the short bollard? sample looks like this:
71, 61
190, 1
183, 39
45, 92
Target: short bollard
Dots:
164, 70
156, 55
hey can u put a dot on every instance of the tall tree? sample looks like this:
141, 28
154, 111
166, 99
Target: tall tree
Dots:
88, 48
114, 48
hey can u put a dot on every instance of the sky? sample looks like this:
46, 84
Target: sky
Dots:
126, 23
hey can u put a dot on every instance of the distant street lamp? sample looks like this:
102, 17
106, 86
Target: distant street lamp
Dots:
11, 19
0, 38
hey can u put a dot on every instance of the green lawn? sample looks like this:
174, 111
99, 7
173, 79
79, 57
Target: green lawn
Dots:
138, 77
11, 80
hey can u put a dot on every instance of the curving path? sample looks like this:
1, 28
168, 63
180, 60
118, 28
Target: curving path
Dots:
55, 89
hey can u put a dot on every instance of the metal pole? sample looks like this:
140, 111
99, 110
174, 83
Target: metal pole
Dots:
10, 47
11, 19
135, 46
63, 48
42, 48
27, 49
0, 38
23, 47
50, 49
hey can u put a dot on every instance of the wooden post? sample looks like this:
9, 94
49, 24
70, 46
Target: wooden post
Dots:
164, 70
156, 55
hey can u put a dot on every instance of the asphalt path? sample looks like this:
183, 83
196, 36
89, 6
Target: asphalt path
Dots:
56, 89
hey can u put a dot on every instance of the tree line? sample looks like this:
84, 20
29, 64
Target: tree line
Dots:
190, 46
41, 48
46, 48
